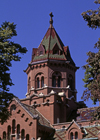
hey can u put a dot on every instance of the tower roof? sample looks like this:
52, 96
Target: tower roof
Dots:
51, 47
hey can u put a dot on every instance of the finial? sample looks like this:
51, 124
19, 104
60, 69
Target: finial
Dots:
51, 20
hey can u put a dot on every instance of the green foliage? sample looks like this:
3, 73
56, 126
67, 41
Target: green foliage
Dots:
92, 68
8, 51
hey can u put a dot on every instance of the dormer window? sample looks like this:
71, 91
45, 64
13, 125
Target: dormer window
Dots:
55, 52
56, 49
41, 52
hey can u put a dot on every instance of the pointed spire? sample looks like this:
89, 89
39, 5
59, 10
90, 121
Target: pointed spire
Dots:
51, 20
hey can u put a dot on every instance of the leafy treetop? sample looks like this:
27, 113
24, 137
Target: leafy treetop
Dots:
8, 51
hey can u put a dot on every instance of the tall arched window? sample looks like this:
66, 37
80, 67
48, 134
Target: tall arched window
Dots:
29, 84
59, 81
53, 81
13, 126
18, 131
70, 81
56, 79
4, 135
27, 137
22, 134
9, 132
42, 81
71, 136
76, 135
38, 82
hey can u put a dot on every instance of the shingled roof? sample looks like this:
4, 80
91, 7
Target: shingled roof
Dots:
91, 132
60, 134
84, 114
51, 48
41, 119
35, 114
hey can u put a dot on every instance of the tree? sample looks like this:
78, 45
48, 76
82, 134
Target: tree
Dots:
92, 68
9, 51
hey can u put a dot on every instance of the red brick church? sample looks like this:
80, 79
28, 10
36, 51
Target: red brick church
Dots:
50, 110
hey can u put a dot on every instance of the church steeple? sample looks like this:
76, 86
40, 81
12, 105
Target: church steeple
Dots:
51, 47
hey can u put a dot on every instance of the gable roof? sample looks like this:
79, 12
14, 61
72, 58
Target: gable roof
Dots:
34, 113
41, 119
72, 124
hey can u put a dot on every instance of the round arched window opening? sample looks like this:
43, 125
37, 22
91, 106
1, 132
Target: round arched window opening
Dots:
27, 137
56, 79
71, 136
13, 108
42, 81
76, 135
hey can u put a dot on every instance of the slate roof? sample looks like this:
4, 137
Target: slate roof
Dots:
51, 39
35, 114
60, 134
84, 113
91, 132
42, 120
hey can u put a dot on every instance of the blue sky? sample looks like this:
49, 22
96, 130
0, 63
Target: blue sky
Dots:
32, 20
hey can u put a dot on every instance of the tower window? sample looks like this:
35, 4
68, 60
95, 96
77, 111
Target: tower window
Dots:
41, 52
56, 79
70, 81
59, 81
38, 83
42, 82
29, 84
55, 52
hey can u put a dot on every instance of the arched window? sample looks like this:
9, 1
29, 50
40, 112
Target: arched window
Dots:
22, 134
13, 126
29, 84
38, 83
76, 135
9, 131
39, 80
71, 136
27, 137
4, 135
53, 81
42, 81
70, 81
12, 108
56, 79
18, 131
59, 81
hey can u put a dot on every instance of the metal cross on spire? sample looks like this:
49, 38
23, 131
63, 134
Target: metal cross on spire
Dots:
51, 20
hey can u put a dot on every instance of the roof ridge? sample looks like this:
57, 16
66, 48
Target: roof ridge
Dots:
37, 111
22, 105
